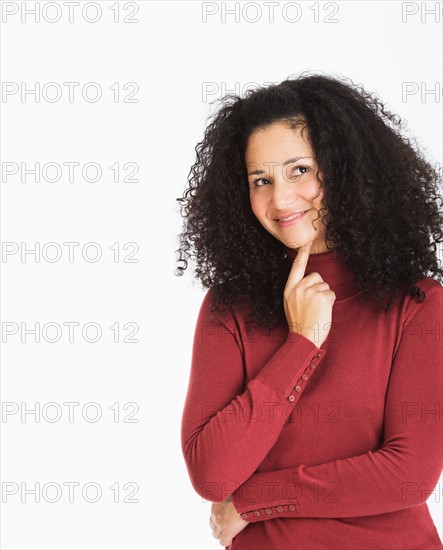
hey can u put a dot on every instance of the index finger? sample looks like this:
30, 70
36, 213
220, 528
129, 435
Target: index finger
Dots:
299, 265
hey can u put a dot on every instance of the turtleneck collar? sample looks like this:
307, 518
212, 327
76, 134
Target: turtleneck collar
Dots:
333, 271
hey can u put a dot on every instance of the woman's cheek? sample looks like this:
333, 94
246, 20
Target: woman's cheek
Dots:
258, 208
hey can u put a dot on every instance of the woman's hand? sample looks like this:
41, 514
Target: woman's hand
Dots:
308, 301
225, 521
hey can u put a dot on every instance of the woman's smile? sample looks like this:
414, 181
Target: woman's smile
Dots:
291, 220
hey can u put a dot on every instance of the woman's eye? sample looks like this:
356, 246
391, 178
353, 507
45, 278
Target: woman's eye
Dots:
304, 169
256, 182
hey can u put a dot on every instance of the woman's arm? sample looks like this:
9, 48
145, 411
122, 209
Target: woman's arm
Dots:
227, 428
403, 473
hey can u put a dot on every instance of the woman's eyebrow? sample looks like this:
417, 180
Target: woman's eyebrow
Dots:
285, 163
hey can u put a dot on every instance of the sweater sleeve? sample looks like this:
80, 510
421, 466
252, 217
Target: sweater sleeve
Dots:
403, 472
227, 427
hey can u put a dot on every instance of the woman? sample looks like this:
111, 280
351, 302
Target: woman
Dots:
312, 417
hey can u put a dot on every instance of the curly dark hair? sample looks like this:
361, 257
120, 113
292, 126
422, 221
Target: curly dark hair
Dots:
381, 196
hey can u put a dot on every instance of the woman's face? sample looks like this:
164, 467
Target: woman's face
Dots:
282, 181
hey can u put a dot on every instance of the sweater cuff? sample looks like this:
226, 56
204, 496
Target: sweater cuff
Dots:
291, 366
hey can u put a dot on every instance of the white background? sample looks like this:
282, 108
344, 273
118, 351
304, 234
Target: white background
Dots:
172, 55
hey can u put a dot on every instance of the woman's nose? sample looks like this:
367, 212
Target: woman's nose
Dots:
283, 194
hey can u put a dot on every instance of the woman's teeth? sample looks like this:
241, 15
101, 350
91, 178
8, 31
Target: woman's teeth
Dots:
291, 217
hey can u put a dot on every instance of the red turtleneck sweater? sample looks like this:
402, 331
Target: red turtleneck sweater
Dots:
337, 447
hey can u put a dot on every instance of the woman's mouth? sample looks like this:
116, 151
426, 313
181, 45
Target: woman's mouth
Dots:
291, 220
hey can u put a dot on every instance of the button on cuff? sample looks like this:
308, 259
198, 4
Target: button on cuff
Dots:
304, 376
269, 511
